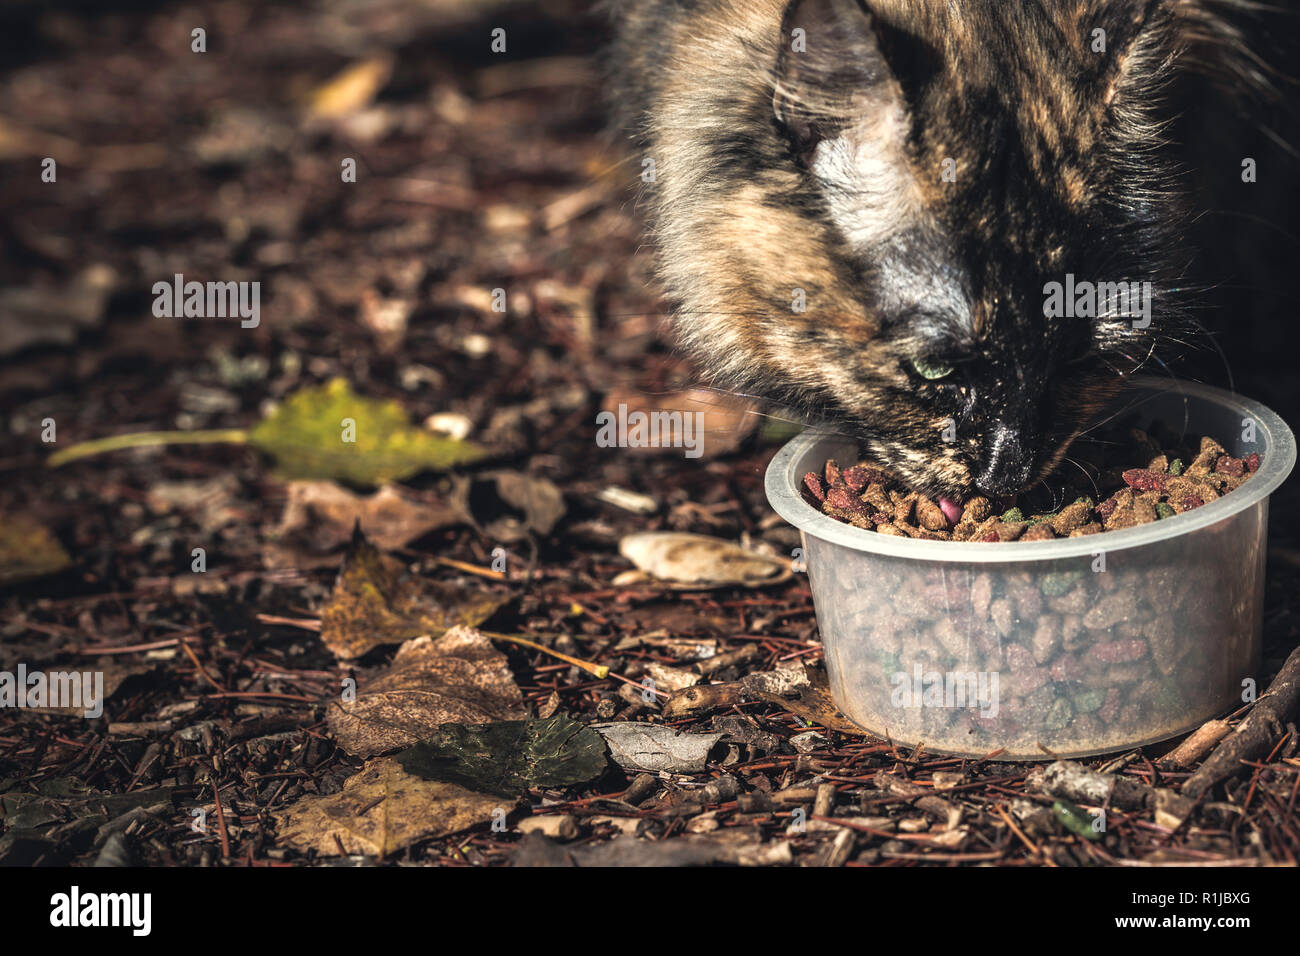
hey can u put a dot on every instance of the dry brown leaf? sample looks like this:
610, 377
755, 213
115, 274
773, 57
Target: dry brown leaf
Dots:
321, 515
488, 499
380, 810
814, 704
377, 601
457, 678
697, 560
351, 89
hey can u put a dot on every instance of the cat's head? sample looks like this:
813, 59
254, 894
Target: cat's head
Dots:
865, 215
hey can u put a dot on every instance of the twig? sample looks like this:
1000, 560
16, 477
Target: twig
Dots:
596, 670
1254, 735
221, 822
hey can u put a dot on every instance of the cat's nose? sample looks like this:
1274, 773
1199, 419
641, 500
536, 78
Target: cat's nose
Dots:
1006, 463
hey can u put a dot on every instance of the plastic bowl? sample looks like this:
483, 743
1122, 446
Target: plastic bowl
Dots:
1062, 648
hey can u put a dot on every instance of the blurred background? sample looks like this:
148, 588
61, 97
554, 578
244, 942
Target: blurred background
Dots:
475, 170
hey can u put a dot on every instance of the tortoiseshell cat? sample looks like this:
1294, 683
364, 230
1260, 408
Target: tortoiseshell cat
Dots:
918, 171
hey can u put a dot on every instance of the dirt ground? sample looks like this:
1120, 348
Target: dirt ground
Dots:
224, 740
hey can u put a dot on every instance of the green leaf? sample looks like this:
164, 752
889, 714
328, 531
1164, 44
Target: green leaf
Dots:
306, 436
509, 757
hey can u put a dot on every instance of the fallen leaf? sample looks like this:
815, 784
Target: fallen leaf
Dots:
457, 678
211, 502
656, 748
320, 515
509, 757
306, 436
380, 810
508, 506
351, 89
813, 702
377, 601
699, 560
28, 550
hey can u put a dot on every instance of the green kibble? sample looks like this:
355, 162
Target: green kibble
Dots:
1013, 516
1075, 819
1056, 583
889, 662
1059, 716
1084, 500
1089, 701
1170, 697
1165, 510
1176, 466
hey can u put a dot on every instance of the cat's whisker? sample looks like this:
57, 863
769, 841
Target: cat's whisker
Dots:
1095, 490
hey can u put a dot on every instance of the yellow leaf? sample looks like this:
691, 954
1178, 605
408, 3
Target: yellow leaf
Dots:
351, 89
383, 809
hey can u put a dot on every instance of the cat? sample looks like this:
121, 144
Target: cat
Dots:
860, 207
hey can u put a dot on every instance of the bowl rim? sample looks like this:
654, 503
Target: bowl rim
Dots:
782, 487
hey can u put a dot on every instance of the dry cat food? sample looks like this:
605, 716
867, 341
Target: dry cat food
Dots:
1147, 479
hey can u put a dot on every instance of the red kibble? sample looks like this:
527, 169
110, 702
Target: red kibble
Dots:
1019, 658
1191, 501
1107, 508
1110, 707
1120, 652
1252, 462
841, 498
833, 475
1066, 668
991, 537
856, 477
1227, 465
814, 486
1143, 479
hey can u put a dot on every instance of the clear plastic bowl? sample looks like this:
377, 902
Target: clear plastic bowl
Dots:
1069, 647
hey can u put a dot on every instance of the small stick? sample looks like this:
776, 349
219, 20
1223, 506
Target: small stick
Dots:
1254, 735
596, 670
1017, 831
221, 822
1192, 750
306, 623
207, 677
472, 569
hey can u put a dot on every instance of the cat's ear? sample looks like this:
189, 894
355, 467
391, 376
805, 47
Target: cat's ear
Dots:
831, 68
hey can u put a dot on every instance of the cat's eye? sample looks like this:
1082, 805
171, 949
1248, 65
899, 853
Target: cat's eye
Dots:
930, 369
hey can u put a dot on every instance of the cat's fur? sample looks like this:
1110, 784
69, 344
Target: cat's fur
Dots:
778, 173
